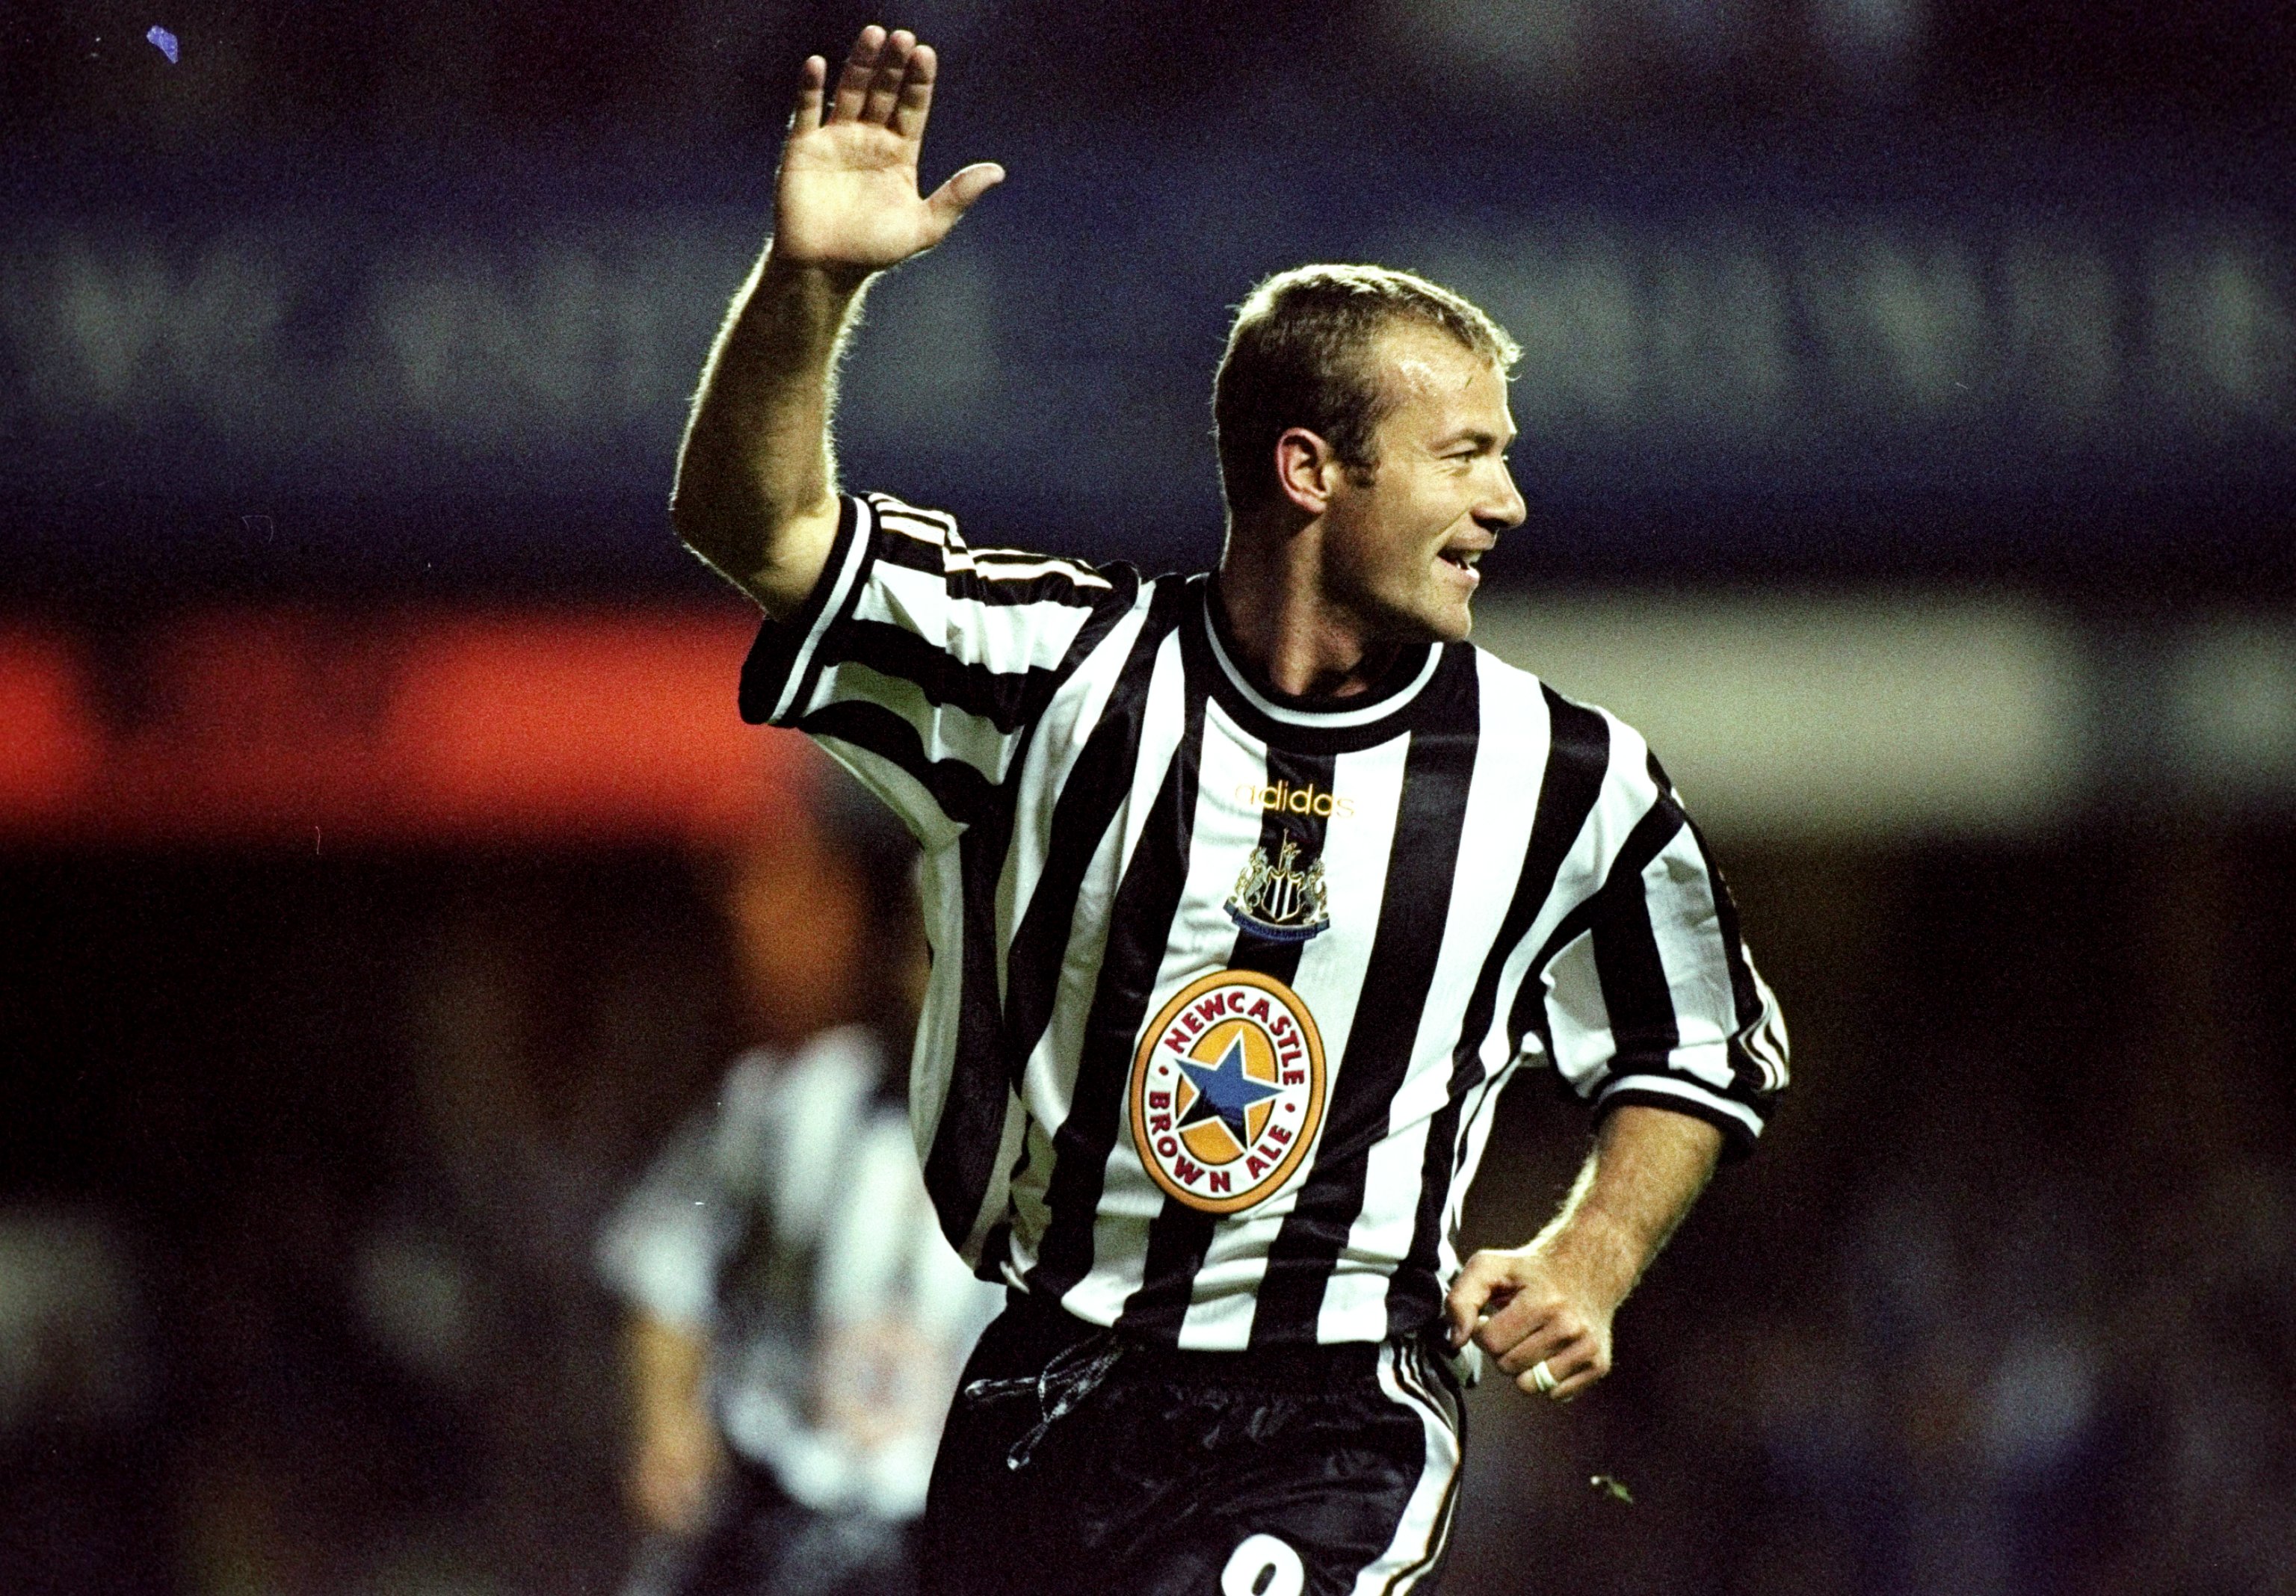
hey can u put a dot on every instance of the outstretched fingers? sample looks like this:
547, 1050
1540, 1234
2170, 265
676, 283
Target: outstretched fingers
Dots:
885, 83
916, 100
886, 79
860, 71
813, 84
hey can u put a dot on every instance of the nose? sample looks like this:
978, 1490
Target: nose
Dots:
1503, 503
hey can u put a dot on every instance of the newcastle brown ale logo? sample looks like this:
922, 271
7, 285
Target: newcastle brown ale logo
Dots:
1227, 1091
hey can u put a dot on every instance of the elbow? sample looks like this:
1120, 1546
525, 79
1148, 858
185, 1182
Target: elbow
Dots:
704, 528
687, 523
688, 517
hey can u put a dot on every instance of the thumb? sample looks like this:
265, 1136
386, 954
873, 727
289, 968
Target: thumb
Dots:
1468, 1294
954, 198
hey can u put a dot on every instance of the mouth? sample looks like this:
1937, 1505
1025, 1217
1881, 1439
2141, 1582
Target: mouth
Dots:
1464, 559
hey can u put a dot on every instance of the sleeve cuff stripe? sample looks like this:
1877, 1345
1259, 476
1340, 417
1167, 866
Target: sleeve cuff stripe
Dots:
1660, 1086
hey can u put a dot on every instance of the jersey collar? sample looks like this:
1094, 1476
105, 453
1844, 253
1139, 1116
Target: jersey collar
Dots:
1393, 692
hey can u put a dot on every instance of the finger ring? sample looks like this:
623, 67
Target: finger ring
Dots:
1542, 1377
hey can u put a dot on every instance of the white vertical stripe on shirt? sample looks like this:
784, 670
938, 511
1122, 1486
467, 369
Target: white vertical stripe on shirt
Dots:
1069, 722
1576, 1017
932, 1058
1482, 1108
1691, 952
1049, 1079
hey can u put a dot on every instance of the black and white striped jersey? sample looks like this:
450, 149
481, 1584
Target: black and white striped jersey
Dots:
1225, 985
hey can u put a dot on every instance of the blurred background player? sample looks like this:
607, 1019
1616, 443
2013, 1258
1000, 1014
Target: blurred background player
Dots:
795, 1322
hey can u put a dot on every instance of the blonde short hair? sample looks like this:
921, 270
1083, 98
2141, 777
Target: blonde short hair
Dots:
1298, 354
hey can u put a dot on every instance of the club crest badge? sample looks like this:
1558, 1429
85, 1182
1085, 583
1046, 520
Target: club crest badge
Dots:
1281, 902
1227, 1091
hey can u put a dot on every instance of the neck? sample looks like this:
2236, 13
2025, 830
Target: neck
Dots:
1286, 624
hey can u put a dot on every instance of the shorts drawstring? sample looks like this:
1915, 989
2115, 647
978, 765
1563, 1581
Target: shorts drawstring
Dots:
1075, 1374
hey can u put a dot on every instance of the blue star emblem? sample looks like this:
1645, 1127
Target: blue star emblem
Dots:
1224, 1091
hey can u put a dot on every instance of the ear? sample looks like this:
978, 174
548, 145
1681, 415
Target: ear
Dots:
1306, 468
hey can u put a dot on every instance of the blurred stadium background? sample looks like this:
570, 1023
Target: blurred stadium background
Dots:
1908, 407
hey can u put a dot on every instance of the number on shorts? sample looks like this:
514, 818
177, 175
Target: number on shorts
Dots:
1263, 1565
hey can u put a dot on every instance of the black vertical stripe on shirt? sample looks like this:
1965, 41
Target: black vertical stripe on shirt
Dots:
1139, 924
1089, 801
1635, 992
1415, 904
971, 1128
1745, 996
1577, 753
1180, 1235
969, 1134
1649, 834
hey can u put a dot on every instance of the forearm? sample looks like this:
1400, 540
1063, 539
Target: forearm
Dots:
1543, 1310
1648, 1166
755, 489
667, 1366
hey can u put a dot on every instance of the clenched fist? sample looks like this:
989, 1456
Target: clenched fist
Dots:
1527, 1306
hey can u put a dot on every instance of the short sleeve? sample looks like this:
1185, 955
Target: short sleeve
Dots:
1656, 999
921, 663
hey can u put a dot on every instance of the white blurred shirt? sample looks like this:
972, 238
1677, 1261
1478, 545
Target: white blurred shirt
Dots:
790, 1224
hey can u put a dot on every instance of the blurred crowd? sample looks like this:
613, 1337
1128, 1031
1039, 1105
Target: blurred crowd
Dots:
620, 67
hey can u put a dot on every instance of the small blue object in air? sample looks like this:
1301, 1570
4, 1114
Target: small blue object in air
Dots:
166, 43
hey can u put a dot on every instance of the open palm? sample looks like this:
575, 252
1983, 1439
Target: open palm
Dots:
848, 193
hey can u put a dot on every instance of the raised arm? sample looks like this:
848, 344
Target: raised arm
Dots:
755, 492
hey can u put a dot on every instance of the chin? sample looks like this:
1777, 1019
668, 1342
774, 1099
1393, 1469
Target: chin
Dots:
1409, 618
1450, 624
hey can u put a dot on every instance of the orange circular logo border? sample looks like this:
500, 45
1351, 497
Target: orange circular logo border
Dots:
1311, 1120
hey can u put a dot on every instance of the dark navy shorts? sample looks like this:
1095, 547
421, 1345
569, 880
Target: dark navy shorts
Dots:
1080, 1463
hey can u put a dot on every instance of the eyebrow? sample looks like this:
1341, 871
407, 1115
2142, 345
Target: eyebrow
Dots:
1479, 437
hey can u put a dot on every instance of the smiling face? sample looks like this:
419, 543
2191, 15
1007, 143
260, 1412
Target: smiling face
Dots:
1400, 544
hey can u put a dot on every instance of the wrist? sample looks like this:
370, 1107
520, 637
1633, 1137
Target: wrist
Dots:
834, 282
1591, 1247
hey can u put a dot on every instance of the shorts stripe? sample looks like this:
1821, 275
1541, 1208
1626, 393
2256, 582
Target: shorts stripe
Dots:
1425, 1525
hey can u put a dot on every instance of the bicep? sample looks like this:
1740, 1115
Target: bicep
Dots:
778, 567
